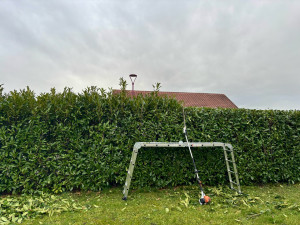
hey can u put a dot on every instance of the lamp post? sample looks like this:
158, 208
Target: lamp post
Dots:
132, 78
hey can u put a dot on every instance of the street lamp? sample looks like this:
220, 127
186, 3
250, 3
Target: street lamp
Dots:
132, 78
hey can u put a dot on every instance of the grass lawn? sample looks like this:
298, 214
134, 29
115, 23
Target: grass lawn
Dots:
270, 204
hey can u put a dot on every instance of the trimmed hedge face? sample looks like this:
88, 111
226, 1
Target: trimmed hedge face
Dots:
65, 141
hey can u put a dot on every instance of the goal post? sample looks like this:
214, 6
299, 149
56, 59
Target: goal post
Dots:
228, 155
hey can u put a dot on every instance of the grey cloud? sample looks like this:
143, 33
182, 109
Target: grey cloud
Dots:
246, 50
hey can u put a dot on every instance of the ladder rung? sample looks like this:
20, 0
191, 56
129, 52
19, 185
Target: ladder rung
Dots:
234, 189
231, 171
228, 150
234, 183
239, 192
230, 161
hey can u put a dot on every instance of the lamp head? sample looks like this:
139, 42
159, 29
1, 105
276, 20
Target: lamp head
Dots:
133, 77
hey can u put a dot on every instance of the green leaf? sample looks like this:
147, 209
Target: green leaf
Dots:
4, 219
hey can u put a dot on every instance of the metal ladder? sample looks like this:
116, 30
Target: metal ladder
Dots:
232, 174
235, 185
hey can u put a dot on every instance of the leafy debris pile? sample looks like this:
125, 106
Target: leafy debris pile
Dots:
15, 209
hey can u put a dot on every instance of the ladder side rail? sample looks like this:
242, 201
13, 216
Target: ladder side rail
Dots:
235, 171
130, 171
182, 144
228, 167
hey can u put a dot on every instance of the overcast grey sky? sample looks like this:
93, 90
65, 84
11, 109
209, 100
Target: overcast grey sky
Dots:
248, 50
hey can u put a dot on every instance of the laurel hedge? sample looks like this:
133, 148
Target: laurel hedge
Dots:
67, 141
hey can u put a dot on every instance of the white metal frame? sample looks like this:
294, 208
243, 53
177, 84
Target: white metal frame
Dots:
228, 150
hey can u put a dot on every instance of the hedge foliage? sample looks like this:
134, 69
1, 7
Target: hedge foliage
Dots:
64, 141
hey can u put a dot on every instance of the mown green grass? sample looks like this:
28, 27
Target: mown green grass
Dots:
270, 204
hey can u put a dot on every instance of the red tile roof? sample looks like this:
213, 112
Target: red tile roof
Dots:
194, 99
